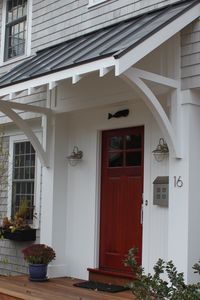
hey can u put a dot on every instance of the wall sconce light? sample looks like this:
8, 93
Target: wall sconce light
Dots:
75, 157
161, 151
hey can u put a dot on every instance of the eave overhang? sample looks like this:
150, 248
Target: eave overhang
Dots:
115, 47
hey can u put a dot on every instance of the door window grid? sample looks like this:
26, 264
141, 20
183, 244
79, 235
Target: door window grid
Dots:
125, 151
23, 177
15, 37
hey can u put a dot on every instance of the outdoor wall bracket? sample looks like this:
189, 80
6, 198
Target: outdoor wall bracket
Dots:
6, 107
171, 131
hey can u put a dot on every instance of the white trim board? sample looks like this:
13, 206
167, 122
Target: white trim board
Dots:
154, 41
57, 76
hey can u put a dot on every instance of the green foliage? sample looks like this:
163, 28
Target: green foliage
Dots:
153, 286
19, 221
196, 267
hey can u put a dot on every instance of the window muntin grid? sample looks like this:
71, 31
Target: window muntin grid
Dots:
125, 151
23, 177
15, 28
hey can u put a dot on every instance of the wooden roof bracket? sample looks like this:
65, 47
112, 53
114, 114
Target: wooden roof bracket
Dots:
171, 129
40, 147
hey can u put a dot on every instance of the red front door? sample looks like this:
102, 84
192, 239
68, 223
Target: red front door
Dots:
121, 196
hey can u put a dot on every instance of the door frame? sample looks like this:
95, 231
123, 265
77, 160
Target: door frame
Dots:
146, 190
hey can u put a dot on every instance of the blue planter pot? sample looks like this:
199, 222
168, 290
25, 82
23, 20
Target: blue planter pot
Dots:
38, 272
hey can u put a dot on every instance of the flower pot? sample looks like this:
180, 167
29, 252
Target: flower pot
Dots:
38, 272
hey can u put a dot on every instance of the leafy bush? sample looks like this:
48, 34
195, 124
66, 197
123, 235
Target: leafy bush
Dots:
148, 287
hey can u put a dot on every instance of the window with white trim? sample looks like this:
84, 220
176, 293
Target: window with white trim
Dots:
23, 177
15, 28
95, 2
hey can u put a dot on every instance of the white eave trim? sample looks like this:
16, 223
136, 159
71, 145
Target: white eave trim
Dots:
54, 77
155, 40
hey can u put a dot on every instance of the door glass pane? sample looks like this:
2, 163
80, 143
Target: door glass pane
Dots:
116, 143
133, 158
115, 159
133, 141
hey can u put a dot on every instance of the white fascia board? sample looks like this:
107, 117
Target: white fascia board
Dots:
133, 56
60, 75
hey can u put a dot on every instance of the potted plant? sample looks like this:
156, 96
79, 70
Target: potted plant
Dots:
17, 228
38, 256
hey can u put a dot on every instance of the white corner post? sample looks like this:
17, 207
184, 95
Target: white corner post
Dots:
53, 209
184, 206
179, 178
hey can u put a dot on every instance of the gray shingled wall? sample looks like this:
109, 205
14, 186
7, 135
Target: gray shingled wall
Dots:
11, 259
55, 21
190, 52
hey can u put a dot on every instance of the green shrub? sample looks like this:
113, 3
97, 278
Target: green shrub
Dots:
153, 286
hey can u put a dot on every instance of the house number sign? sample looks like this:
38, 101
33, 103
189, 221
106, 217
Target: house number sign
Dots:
178, 182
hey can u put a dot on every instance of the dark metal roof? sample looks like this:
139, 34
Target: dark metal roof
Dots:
114, 41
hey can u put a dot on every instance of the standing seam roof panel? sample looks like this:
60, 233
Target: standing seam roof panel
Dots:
115, 40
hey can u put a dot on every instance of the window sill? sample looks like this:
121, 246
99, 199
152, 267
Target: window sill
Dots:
90, 5
13, 60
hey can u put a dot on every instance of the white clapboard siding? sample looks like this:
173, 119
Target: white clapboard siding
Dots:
190, 56
57, 21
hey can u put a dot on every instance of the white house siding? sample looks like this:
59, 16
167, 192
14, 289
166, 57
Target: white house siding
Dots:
190, 53
54, 22
57, 21
80, 186
83, 186
194, 196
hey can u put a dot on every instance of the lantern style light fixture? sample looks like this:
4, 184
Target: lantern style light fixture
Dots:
161, 151
75, 157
